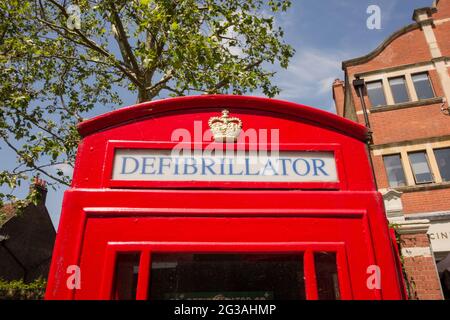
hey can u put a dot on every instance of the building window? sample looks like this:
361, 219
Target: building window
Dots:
420, 167
376, 93
394, 170
422, 85
443, 161
398, 88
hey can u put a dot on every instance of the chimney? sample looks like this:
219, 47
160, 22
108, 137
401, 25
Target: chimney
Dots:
338, 96
41, 187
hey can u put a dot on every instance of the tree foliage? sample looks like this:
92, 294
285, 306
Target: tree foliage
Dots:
58, 62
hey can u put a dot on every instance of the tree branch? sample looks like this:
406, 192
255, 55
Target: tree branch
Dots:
225, 81
32, 165
27, 117
121, 38
86, 42
176, 91
161, 82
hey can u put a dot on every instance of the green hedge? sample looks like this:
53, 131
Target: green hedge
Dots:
18, 290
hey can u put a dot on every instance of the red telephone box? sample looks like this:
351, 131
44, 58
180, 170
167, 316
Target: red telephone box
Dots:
275, 201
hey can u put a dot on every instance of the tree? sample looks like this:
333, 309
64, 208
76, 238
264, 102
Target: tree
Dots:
59, 61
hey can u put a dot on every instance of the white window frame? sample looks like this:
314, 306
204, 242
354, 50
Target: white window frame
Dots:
429, 80
427, 159
407, 73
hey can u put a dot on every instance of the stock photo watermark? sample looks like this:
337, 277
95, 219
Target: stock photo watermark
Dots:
374, 20
74, 279
373, 281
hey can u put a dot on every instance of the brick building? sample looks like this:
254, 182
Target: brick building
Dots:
401, 90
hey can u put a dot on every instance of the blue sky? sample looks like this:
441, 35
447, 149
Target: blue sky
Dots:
324, 33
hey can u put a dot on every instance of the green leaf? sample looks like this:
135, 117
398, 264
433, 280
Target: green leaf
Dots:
51, 80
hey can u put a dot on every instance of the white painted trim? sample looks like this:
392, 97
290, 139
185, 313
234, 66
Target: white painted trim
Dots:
401, 72
432, 216
407, 169
416, 252
436, 53
387, 91
442, 71
431, 40
433, 164
410, 87
405, 72
411, 147
441, 21
413, 226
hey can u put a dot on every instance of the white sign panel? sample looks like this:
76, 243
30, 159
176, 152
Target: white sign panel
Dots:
439, 233
163, 165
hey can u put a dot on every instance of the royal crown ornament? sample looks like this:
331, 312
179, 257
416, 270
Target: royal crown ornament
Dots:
225, 127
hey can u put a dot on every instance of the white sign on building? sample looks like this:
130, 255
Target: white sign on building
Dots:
439, 233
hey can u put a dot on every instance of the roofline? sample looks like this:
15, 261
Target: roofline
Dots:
380, 48
159, 107
356, 61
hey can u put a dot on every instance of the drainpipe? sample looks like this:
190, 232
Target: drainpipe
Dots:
359, 85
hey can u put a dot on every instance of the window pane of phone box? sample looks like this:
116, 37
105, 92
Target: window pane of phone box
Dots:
126, 275
188, 276
326, 276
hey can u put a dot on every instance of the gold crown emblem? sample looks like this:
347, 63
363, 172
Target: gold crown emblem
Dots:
225, 127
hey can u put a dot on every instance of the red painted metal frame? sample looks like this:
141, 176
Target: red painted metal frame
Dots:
147, 248
398, 263
321, 206
113, 145
350, 211
153, 108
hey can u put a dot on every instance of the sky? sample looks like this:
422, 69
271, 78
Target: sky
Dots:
324, 33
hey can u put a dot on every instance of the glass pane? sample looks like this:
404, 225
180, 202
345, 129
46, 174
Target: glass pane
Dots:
125, 284
443, 161
398, 88
420, 167
394, 170
423, 86
376, 93
326, 275
227, 277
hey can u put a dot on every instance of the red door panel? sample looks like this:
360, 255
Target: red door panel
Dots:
347, 238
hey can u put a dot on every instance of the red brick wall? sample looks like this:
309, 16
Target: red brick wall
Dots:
408, 124
414, 240
426, 201
436, 83
409, 48
421, 275
442, 32
443, 10
420, 271
380, 172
